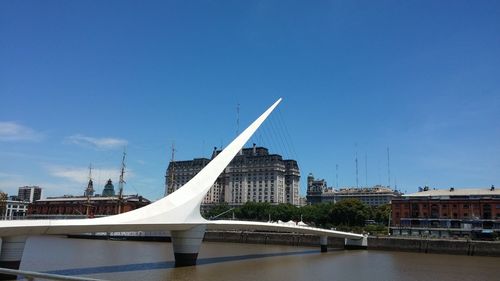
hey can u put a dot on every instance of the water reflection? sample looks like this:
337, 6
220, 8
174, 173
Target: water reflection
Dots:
169, 264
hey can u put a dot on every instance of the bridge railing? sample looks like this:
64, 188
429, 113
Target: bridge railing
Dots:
46, 217
31, 275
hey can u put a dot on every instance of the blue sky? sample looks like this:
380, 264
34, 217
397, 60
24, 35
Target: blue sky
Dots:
79, 80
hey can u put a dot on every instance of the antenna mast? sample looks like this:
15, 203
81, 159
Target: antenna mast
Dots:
238, 119
89, 191
121, 183
388, 168
337, 175
356, 160
90, 171
366, 169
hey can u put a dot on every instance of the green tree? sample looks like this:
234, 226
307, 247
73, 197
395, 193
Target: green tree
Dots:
349, 212
285, 212
254, 211
216, 210
381, 214
317, 214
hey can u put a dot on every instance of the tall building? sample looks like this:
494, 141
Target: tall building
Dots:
292, 182
29, 193
180, 172
253, 175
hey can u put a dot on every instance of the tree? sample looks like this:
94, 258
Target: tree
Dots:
218, 209
317, 214
254, 211
349, 212
285, 212
381, 214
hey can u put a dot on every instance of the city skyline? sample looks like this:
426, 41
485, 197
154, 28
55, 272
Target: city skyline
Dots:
81, 81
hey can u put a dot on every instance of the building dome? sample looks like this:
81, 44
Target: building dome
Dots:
109, 189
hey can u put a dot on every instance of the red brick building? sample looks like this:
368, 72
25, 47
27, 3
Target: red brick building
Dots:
85, 206
443, 213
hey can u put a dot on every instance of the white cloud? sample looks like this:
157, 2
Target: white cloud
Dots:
97, 143
66, 180
80, 175
12, 131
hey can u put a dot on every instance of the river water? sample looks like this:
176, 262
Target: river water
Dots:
127, 260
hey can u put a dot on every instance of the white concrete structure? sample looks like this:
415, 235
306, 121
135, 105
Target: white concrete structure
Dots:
178, 212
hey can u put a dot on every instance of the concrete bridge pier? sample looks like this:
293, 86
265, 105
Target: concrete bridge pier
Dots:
186, 244
323, 242
353, 244
11, 252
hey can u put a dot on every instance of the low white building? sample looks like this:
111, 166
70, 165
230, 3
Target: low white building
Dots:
15, 209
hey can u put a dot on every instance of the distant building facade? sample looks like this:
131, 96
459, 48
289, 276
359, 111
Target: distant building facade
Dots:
29, 193
315, 189
373, 196
180, 172
253, 175
88, 205
85, 206
447, 213
318, 192
15, 209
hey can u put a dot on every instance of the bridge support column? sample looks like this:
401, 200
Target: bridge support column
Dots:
11, 252
353, 244
323, 242
186, 244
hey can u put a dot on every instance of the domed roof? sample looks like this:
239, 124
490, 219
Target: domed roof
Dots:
109, 189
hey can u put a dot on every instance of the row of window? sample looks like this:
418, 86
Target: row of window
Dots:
464, 206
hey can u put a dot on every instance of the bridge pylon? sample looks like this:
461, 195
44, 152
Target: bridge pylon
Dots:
186, 245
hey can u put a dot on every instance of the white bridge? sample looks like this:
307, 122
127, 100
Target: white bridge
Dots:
178, 212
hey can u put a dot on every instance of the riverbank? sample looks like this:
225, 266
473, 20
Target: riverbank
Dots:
386, 243
436, 246
421, 245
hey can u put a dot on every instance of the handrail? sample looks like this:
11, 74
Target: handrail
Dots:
33, 274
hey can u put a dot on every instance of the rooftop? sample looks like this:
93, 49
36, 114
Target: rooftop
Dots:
376, 189
456, 192
92, 198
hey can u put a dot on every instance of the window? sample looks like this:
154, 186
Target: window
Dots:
466, 206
